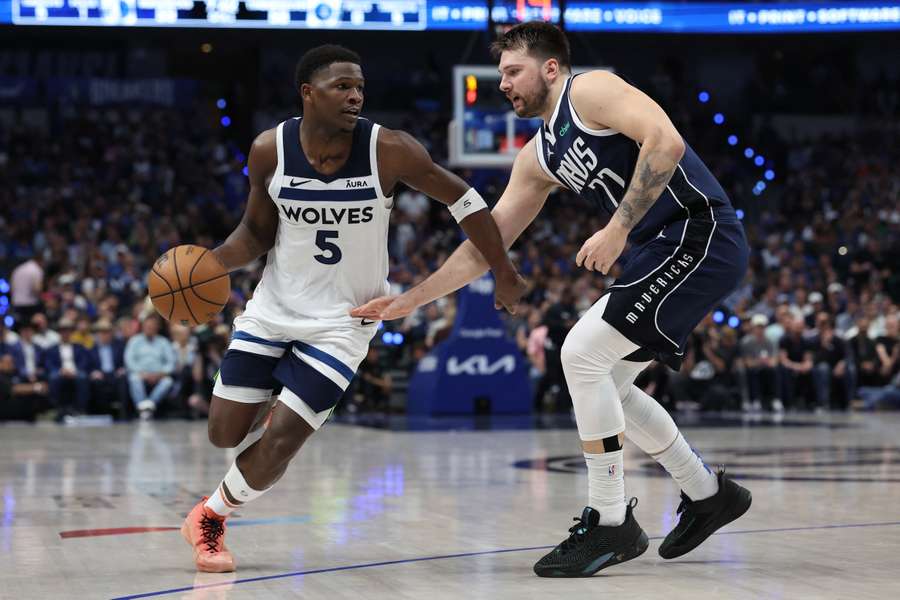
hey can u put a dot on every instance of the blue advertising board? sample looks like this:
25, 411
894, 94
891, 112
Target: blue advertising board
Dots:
477, 367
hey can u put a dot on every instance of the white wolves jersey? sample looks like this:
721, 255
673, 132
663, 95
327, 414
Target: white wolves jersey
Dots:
330, 250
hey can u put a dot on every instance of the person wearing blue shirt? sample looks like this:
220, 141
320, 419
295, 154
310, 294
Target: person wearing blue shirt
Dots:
150, 361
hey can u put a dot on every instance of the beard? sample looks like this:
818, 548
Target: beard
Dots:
534, 106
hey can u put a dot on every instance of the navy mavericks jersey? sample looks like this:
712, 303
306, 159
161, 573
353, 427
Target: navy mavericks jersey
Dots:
598, 165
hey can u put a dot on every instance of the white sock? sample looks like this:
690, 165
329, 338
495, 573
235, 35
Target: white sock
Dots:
606, 486
239, 490
687, 468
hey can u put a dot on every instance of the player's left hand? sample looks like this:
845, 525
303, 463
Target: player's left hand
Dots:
600, 251
509, 289
385, 308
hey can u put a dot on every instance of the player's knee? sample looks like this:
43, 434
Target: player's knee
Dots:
222, 436
583, 352
280, 447
573, 349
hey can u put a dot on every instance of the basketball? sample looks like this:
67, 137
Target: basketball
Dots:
188, 285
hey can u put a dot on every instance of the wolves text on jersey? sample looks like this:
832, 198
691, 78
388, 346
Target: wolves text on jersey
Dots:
328, 216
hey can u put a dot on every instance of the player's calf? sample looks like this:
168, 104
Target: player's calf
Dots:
230, 421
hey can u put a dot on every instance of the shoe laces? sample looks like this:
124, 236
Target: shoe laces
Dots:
577, 534
212, 530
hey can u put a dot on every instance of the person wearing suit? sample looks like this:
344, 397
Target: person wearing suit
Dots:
30, 379
107, 370
67, 367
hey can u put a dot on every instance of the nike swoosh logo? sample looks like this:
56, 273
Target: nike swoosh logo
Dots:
296, 183
366, 322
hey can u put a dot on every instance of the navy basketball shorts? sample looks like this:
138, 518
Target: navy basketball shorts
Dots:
312, 366
670, 283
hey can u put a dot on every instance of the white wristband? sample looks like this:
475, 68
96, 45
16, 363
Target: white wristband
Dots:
467, 204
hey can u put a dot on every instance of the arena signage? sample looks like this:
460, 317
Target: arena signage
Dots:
477, 369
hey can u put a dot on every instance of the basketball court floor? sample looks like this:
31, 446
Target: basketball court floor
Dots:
443, 509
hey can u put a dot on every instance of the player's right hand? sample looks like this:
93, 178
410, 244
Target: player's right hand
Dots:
385, 308
508, 291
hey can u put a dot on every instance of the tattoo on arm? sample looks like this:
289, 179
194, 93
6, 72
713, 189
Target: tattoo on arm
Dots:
652, 174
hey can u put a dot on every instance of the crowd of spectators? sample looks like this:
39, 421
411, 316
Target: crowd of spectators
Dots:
813, 326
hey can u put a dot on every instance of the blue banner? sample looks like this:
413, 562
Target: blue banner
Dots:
732, 17
399, 15
478, 366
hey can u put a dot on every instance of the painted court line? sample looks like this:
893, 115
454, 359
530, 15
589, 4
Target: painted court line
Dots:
467, 554
79, 533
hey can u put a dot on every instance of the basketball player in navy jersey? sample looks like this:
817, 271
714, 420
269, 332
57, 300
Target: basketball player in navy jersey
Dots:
605, 140
321, 190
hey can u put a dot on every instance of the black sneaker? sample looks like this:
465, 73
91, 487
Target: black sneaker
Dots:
700, 519
592, 547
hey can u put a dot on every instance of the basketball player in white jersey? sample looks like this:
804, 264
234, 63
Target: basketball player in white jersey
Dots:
320, 199
611, 144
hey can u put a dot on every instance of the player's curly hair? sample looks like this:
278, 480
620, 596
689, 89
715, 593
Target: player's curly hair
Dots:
539, 39
321, 56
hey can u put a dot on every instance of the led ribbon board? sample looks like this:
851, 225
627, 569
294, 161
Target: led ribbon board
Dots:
579, 15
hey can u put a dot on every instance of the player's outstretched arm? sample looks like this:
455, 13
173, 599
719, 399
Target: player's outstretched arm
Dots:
255, 234
604, 100
405, 159
520, 203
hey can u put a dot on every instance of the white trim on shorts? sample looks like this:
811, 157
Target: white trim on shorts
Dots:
237, 393
296, 404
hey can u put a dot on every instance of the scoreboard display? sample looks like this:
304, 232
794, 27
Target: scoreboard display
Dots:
518, 11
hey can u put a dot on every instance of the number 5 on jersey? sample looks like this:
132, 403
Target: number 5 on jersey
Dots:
331, 253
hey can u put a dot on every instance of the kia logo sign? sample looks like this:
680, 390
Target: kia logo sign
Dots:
479, 364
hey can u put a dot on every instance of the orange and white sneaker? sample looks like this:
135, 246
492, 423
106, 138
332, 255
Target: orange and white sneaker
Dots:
204, 530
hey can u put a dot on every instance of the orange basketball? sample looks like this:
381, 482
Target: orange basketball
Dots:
188, 285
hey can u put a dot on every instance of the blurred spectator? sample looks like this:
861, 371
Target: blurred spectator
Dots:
720, 350
535, 349
184, 345
15, 397
68, 365
776, 330
150, 362
28, 356
830, 364
373, 391
27, 283
814, 309
44, 336
759, 355
796, 363
888, 349
559, 319
83, 333
206, 367
8, 338
108, 381
865, 354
